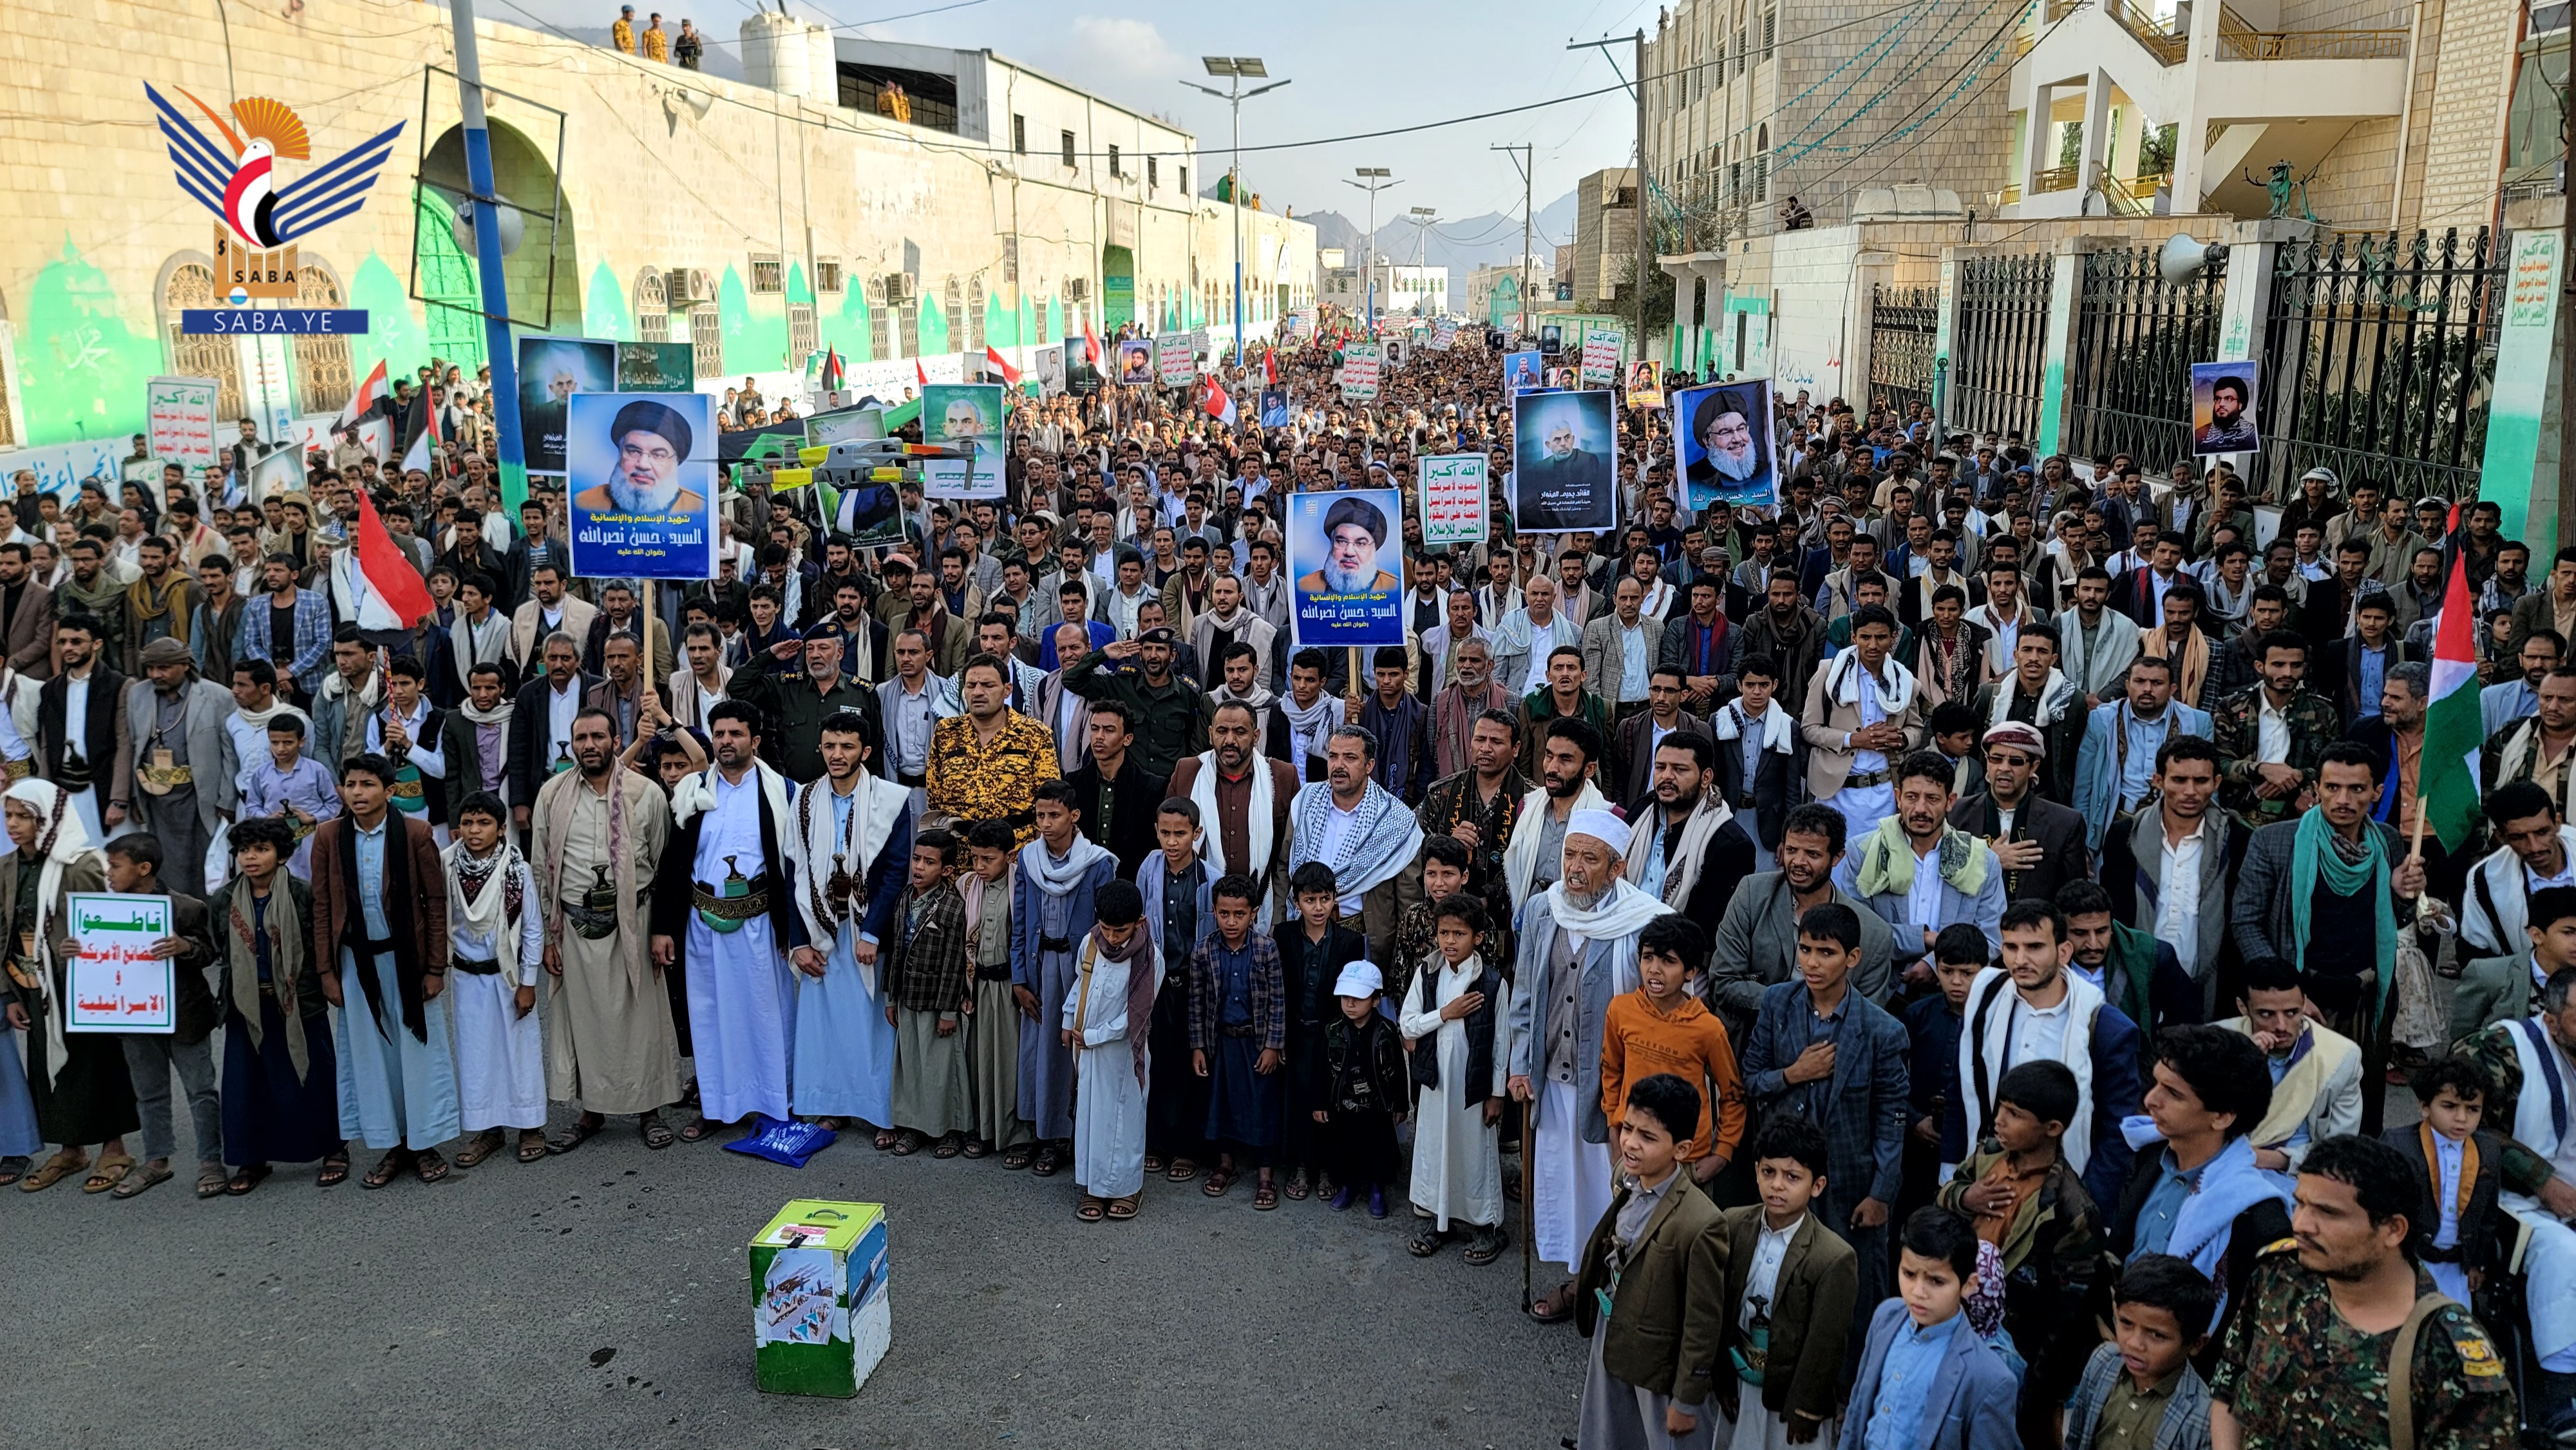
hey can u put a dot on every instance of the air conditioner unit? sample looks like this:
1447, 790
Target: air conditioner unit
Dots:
898, 290
702, 286
1078, 288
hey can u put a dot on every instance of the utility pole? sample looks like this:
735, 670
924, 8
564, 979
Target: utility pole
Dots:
499, 352
1372, 180
1423, 219
2566, 331
1236, 69
1645, 229
1526, 163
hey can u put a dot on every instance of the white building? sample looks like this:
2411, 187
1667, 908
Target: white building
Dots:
1419, 291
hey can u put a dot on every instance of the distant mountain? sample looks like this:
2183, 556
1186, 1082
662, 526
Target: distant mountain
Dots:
1461, 245
724, 62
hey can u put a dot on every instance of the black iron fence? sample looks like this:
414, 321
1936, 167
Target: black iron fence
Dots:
1999, 344
1904, 324
2378, 360
2128, 371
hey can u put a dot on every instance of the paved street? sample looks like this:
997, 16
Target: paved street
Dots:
472, 1313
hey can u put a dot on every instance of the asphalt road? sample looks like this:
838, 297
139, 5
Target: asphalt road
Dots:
603, 1299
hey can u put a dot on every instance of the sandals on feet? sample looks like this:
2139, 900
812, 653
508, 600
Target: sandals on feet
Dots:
1181, 1171
1298, 1187
581, 1131
950, 1146
1554, 1307
140, 1180
1218, 1182
1049, 1164
698, 1131
1427, 1240
429, 1165
907, 1143
1090, 1210
1154, 1163
657, 1134
1265, 1196
479, 1147
54, 1170
532, 1145
13, 1168
246, 1178
210, 1180
1486, 1246
1123, 1208
975, 1148
887, 1138
386, 1167
1019, 1158
335, 1170
109, 1173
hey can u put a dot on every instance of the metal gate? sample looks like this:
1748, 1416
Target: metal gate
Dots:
2128, 375
2378, 360
1999, 345
1903, 325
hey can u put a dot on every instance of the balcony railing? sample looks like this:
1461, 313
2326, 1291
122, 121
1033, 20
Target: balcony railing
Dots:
2011, 194
2056, 178
2238, 43
2155, 34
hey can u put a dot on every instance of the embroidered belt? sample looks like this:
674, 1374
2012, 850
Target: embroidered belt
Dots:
1864, 779
17, 770
751, 903
162, 779
471, 968
593, 913
998, 972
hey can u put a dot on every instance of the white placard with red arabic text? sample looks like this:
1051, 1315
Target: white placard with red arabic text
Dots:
116, 983
1453, 499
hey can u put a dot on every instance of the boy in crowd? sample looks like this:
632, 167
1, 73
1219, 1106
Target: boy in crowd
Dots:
1663, 1027
292, 788
1365, 1091
281, 1072
1924, 1383
1445, 864
1450, 1025
1789, 1286
1932, 1024
1312, 957
1651, 1291
927, 993
992, 1030
496, 928
2024, 1198
1177, 886
1113, 990
1238, 1035
134, 867
2139, 1390
2459, 1163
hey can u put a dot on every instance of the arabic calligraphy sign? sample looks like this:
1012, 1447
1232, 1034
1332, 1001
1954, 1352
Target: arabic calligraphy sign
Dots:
117, 984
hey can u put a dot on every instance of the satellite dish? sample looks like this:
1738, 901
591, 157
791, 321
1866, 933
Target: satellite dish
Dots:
513, 229
2184, 258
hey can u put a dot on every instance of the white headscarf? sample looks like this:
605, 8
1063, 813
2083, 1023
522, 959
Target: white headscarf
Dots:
62, 841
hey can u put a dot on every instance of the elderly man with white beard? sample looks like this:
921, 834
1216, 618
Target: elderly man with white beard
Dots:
1724, 429
1350, 823
1578, 950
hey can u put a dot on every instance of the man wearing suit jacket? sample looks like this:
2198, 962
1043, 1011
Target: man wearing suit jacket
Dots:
26, 614
1969, 1403
1608, 667
2507, 986
2038, 843
1859, 1101
2539, 852
1756, 946
1704, 849
2350, 666
1638, 736
2115, 767
2179, 835
1660, 1333
1759, 766
547, 610
541, 717
2552, 608
1063, 711
2316, 1071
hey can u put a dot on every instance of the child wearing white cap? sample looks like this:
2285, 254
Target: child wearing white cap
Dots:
1365, 1091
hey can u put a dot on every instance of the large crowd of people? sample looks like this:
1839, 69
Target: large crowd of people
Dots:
1932, 957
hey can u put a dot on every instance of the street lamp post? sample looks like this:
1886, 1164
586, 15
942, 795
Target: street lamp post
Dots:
1423, 217
1235, 70
1373, 179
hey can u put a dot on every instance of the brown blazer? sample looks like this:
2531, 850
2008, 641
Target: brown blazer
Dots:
1811, 1311
1826, 721
1283, 791
420, 925
28, 633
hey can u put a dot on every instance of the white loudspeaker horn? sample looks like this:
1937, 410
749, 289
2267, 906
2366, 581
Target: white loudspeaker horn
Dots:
512, 229
2184, 257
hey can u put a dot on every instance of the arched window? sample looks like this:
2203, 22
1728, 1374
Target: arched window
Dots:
192, 284
322, 377
975, 313
652, 307
956, 295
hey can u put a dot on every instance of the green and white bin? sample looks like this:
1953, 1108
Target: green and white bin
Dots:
820, 1320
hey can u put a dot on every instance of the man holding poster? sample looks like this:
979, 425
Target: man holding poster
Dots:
1342, 597
1722, 444
1563, 478
643, 468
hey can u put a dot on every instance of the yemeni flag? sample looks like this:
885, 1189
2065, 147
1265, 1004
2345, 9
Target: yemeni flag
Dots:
423, 453
1002, 365
363, 402
2453, 729
394, 597
1218, 403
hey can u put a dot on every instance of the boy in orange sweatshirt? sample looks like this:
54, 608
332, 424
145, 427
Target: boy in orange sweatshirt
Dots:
1664, 1027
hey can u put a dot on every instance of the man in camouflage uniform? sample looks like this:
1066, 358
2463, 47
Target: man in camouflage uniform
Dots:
2306, 1365
2259, 783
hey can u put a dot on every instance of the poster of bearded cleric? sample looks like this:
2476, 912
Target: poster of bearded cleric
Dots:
1722, 446
1344, 595
1565, 448
641, 473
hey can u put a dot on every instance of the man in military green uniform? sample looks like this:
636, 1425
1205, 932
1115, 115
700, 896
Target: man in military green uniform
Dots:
1171, 715
2310, 1363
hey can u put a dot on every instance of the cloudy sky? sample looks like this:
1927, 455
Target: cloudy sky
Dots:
1354, 66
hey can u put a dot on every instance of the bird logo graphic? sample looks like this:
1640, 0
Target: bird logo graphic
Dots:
237, 180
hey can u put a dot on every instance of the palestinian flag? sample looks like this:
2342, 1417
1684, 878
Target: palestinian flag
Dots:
2453, 727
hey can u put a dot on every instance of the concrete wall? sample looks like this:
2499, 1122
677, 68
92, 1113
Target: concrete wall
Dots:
102, 228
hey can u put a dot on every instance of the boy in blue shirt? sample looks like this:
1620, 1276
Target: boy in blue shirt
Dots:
1924, 1384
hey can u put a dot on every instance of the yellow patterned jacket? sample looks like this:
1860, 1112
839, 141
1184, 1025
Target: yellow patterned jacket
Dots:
973, 781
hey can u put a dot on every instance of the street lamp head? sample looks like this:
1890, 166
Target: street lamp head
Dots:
1372, 171
1426, 211
1249, 67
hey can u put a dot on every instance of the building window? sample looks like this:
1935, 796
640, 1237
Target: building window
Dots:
827, 277
1743, 50
880, 330
203, 355
322, 378
956, 311
975, 313
802, 341
1762, 177
1067, 138
652, 307
1011, 260
1185, 180
1020, 134
767, 274
1770, 32
1113, 162
706, 341
1153, 170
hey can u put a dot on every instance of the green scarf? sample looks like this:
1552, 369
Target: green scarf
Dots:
2129, 972
2314, 853
1887, 861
